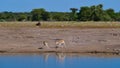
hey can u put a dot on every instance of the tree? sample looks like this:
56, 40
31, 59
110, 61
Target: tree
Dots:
45, 16
7, 16
117, 16
111, 13
39, 14
22, 17
59, 16
73, 15
93, 13
84, 14
97, 12
101, 14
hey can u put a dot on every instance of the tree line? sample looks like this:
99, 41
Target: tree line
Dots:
86, 13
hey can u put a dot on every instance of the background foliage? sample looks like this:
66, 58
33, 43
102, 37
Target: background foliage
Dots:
85, 13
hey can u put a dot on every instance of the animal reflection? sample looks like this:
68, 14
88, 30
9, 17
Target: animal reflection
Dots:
46, 56
60, 56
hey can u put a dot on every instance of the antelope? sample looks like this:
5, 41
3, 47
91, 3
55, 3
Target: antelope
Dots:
45, 44
60, 43
38, 24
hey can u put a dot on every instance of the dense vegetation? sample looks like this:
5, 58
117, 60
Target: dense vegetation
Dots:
91, 13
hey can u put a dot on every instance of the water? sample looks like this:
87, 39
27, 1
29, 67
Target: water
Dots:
59, 60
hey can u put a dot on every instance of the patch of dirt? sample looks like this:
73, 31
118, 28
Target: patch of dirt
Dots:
77, 40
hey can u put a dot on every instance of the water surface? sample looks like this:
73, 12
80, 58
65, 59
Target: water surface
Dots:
59, 60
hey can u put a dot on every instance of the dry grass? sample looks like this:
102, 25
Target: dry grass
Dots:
64, 24
17, 24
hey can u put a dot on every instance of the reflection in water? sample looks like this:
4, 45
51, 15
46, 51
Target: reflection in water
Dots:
69, 60
45, 56
60, 56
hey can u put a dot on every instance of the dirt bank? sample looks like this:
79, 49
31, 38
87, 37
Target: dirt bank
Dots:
17, 40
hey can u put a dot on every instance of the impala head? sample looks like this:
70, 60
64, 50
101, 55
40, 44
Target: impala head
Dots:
60, 43
45, 44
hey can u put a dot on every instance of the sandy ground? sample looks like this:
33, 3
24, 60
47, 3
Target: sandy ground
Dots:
29, 40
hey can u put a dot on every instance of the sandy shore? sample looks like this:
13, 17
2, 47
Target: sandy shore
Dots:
29, 40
